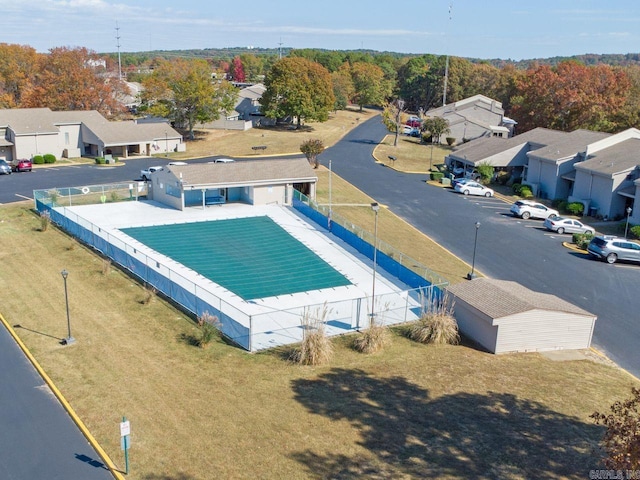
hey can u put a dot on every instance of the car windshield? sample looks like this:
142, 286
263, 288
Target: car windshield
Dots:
600, 242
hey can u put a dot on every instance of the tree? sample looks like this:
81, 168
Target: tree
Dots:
18, 66
311, 149
299, 88
369, 85
342, 86
66, 80
392, 117
237, 71
570, 96
436, 126
183, 91
622, 438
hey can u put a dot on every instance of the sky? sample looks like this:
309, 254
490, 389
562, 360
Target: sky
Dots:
486, 29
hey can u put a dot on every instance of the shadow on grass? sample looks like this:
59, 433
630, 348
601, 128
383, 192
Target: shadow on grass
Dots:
462, 435
36, 331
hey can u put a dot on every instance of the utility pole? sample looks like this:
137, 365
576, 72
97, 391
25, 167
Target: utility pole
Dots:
446, 67
118, 45
280, 49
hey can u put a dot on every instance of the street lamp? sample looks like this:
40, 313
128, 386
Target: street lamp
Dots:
375, 207
471, 275
69, 340
626, 227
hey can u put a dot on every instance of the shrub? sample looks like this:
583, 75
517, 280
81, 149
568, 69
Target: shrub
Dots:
49, 158
575, 208
316, 348
311, 149
502, 178
114, 196
436, 324
373, 339
525, 192
635, 231
38, 159
101, 160
45, 220
436, 176
582, 240
486, 172
516, 188
450, 140
149, 293
209, 329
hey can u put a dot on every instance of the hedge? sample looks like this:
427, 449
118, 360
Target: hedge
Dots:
38, 159
49, 158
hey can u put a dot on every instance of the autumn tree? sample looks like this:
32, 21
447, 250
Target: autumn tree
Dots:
297, 87
67, 80
370, 87
436, 126
18, 64
392, 117
236, 70
183, 91
570, 96
342, 86
311, 149
622, 437
253, 66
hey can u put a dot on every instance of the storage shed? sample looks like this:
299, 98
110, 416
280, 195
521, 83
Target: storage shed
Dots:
505, 316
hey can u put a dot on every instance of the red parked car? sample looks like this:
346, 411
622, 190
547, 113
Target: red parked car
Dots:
414, 122
21, 165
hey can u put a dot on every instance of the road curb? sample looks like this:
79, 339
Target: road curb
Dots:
63, 401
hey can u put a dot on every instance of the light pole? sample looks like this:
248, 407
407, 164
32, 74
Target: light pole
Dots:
69, 340
626, 227
471, 275
375, 207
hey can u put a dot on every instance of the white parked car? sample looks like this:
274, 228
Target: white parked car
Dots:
473, 188
146, 173
178, 163
567, 225
223, 160
528, 209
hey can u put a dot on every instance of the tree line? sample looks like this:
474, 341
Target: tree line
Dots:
307, 84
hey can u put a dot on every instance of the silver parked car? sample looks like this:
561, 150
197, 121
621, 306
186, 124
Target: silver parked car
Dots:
612, 249
567, 225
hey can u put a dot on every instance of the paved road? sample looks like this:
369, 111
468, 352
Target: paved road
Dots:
508, 248
38, 440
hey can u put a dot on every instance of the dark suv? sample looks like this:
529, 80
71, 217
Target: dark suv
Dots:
612, 249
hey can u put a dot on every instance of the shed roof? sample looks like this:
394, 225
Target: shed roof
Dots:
502, 298
244, 172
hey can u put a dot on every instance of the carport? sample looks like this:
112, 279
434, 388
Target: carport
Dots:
504, 316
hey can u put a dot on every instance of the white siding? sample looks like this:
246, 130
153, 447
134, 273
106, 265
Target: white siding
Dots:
475, 325
268, 194
540, 330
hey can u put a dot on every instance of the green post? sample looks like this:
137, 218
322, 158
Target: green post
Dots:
125, 443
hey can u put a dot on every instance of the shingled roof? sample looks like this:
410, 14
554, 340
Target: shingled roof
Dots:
245, 172
501, 298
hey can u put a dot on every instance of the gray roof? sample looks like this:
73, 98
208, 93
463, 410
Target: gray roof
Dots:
501, 298
27, 121
570, 144
245, 172
254, 92
465, 104
618, 158
478, 150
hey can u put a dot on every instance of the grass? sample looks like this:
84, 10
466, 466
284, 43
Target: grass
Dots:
278, 140
410, 154
410, 411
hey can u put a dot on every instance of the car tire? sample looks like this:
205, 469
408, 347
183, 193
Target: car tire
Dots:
560, 231
526, 215
611, 258
465, 192
488, 194
589, 232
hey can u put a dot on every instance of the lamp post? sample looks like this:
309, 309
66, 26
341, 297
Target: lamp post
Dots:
471, 275
375, 207
69, 340
626, 227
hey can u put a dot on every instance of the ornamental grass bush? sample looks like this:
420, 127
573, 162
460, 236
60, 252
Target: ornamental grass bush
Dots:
436, 324
208, 329
315, 348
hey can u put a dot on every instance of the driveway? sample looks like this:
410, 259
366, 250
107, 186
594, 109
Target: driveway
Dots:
508, 248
